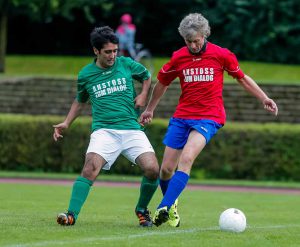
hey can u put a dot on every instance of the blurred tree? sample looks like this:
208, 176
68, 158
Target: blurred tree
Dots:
260, 30
35, 9
45, 11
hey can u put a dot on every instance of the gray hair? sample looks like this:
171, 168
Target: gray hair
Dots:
194, 24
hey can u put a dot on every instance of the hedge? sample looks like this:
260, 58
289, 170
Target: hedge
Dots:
239, 150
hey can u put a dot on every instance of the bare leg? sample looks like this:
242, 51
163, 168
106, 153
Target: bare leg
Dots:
149, 165
169, 163
196, 142
92, 166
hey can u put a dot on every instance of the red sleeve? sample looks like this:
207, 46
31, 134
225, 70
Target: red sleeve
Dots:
231, 65
167, 73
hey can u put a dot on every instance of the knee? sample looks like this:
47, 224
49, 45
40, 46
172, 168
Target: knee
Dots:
152, 171
88, 172
166, 171
91, 167
185, 164
149, 165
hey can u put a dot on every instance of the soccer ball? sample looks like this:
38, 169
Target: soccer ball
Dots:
232, 220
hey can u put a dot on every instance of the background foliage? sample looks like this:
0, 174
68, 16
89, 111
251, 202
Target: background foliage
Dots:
254, 29
239, 150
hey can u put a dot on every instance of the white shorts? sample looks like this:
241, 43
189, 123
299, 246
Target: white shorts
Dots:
110, 143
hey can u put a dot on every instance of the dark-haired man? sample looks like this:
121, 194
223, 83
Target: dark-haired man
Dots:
108, 84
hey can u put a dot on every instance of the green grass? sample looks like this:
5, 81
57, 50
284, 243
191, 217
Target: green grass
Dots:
68, 66
271, 73
26, 65
27, 218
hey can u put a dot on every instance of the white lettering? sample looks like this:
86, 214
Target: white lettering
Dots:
109, 87
188, 78
198, 74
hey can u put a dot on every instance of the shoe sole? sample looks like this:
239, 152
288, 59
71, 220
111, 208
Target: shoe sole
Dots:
148, 224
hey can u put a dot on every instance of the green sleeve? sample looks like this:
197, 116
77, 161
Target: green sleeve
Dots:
82, 94
139, 72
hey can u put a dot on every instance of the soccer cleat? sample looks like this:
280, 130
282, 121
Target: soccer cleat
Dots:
66, 219
144, 217
161, 216
174, 219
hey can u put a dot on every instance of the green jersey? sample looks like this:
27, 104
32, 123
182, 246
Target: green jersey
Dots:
111, 93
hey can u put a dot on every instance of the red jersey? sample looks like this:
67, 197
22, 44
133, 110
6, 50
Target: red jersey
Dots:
201, 79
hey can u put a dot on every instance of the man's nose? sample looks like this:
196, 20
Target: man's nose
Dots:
193, 45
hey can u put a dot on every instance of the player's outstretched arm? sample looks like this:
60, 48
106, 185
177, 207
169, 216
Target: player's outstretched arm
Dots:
251, 86
72, 115
158, 91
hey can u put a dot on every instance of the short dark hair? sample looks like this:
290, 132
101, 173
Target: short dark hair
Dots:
103, 35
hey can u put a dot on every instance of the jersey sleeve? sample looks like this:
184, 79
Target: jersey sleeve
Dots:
139, 71
167, 73
231, 65
82, 94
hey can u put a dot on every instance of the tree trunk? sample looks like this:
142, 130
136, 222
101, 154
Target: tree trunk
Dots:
3, 25
3, 35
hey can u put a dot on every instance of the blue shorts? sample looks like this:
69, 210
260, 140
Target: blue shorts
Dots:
179, 129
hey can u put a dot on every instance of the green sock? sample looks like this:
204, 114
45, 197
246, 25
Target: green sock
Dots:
81, 188
147, 190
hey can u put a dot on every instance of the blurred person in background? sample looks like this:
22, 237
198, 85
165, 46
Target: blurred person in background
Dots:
200, 113
126, 34
107, 83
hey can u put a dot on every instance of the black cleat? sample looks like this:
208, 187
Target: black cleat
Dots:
161, 216
66, 219
144, 218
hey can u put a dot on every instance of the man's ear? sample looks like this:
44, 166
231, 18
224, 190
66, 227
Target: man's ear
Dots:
96, 51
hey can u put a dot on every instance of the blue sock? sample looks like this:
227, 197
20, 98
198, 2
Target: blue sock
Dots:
164, 185
176, 186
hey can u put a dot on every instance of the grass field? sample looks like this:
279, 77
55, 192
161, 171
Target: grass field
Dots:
28, 212
68, 66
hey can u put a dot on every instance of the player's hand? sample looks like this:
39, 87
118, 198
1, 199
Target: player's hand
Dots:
270, 106
146, 117
140, 100
58, 129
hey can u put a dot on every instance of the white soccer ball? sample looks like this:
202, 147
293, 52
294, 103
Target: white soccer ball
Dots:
232, 220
